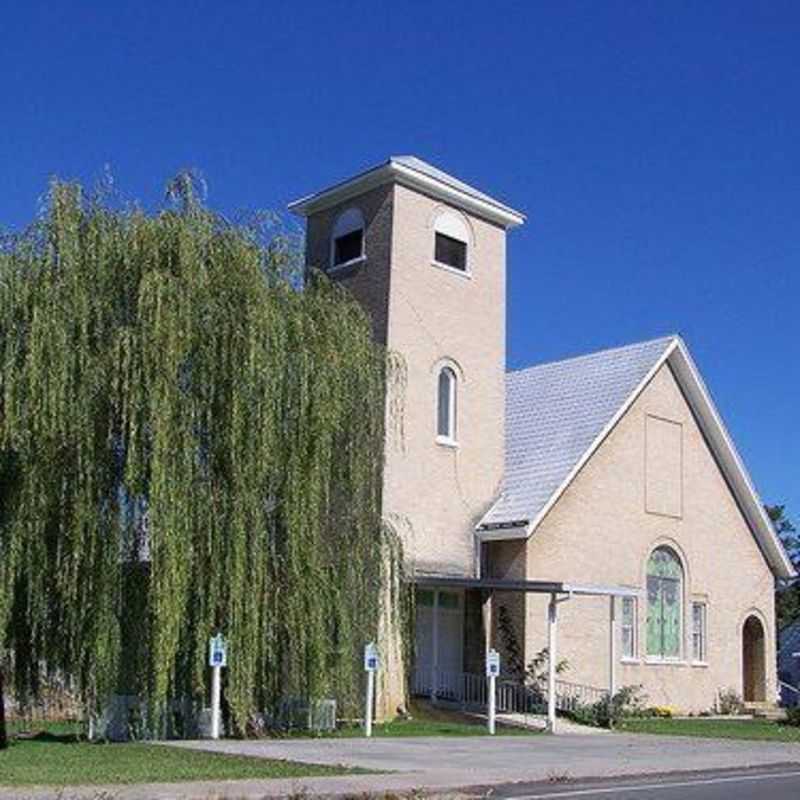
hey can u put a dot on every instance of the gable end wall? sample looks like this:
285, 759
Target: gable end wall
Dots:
600, 532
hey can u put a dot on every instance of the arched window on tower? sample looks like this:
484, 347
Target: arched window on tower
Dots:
446, 429
664, 604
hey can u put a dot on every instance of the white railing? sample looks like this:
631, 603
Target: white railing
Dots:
571, 695
513, 696
441, 684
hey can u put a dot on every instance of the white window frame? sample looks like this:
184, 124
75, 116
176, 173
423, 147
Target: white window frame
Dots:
450, 439
348, 221
450, 223
702, 656
634, 628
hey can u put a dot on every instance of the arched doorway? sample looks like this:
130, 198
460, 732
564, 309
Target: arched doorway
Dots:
753, 661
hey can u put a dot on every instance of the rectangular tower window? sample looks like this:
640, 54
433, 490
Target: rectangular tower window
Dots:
348, 247
451, 252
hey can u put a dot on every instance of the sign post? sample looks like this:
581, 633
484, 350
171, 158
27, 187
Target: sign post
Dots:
492, 671
217, 659
372, 662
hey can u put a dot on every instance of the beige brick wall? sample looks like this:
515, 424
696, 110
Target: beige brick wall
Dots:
436, 494
507, 561
369, 280
433, 494
599, 532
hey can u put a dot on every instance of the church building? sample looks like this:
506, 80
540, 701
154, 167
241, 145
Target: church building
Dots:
601, 494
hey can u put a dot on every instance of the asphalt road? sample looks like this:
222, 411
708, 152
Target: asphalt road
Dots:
781, 783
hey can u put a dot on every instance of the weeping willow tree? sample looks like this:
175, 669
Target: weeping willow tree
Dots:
189, 443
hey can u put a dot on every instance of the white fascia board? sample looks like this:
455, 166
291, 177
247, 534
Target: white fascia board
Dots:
730, 462
601, 437
393, 171
494, 211
501, 534
591, 590
341, 192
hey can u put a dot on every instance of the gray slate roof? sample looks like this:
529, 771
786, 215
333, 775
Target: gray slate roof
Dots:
554, 412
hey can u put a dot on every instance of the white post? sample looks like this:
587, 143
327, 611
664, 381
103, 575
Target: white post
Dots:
216, 683
370, 696
492, 671
612, 648
492, 703
552, 655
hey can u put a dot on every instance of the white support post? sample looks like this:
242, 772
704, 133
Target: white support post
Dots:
552, 655
216, 684
612, 648
487, 611
370, 702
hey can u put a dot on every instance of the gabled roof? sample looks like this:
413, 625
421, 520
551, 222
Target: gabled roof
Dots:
558, 414
418, 174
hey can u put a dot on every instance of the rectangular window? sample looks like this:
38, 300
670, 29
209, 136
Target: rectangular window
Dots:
348, 247
699, 634
451, 252
629, 627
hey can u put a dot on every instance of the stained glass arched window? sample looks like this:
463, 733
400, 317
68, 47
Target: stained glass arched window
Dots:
664, 604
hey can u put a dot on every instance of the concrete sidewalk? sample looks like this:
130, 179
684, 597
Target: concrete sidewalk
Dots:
440, 764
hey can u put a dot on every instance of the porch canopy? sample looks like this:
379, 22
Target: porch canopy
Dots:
559, 591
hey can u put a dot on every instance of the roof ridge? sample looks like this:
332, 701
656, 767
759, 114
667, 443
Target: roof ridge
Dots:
617, 348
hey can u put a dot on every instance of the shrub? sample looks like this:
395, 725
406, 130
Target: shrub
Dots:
606, 713
537, 671
662, 712
793, 717
729, 702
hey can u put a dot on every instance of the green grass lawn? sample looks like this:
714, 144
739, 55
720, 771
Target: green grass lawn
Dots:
714, 728
57, 757
426, 720
61, 760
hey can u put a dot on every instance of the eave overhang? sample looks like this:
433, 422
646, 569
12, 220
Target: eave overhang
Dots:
396, 172
529, 587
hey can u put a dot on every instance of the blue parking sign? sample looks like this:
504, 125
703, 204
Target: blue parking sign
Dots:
217, 651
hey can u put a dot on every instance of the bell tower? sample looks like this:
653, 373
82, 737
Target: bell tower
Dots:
425, 254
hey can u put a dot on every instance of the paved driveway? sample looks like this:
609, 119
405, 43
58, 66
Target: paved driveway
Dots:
447, 764
469, 761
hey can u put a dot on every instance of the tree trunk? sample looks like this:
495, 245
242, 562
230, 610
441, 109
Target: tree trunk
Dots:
3, 734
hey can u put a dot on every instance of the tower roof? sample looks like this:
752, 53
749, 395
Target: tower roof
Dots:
417, 174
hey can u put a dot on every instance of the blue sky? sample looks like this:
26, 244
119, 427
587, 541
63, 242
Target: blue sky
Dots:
654, 146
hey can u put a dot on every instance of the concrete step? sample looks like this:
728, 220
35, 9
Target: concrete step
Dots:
766, 710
